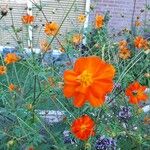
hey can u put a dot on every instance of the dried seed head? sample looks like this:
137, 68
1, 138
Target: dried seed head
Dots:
4, 11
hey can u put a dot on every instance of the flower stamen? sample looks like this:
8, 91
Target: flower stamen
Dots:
85, 78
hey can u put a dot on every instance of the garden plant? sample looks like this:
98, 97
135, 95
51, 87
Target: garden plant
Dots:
99, 92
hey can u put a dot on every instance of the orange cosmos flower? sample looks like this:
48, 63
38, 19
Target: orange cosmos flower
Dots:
123, 44
3, 70
51, 28
11, 87
124, 53
90, 80
99, 21
77, 38
136, 93
81, 18
11, 58
140, 42
44, 46
27, 19
83, 127
138, 23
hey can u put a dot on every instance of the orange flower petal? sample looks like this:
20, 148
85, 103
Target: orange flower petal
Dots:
79, 100
107, 73
143, 97
70, 76
81, 89
100, 87
69, 90
94, 101
133, 100
91, 63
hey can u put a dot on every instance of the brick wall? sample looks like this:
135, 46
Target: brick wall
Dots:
121, 12
55, 10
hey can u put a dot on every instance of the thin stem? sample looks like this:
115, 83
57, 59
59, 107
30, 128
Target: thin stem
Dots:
34, 97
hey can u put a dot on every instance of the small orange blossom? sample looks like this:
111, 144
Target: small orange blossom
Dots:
3, 70
11, 87
27, 19
51, 28
81, 18
44, 46
11, 58
83, 127
77, 38
99, 21
124, 53
136, 93
140, 42
123, 44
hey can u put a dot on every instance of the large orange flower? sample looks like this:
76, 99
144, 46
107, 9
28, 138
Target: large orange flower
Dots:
3, 70
11, 58
136, 93
99, 21
83, 127
90, 80
27, 19
140, 42
51, 28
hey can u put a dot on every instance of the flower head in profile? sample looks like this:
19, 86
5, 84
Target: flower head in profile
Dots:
27, 19
11, 87
123, 44
51, 28
124, 53
81, 18
44, 46
77, 39
90, 81
3, 70
83, 127
136, 93
99, 21
11, 58
138, 23
140, 42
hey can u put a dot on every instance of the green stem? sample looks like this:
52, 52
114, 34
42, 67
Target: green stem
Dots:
34, 98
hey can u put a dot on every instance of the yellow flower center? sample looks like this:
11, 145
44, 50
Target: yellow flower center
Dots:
85, 78
135, 93
83, 127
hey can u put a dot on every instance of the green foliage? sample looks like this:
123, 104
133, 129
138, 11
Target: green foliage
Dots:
21, 126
